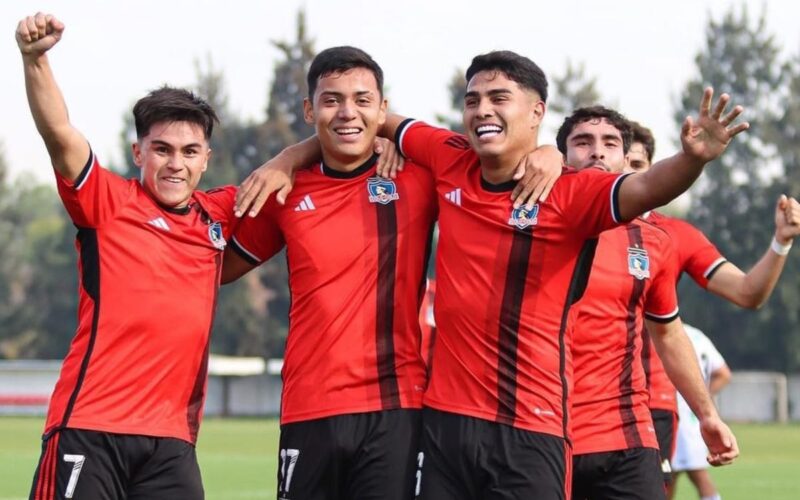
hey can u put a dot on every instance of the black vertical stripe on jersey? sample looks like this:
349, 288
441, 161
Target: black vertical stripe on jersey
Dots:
195, 403
628, 416
577, 286
508, 335
647, 356
421, 294
384, 318
90, 281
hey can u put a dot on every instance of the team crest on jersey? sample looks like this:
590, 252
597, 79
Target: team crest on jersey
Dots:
215, 235
522, 217
638, 263
381, 190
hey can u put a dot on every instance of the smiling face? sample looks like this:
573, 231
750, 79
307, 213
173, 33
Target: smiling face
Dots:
347, 111
172, 158
596, 143
501, 118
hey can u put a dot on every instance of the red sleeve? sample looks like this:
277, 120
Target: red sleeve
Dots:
259, 238
430, 147
697, 256
661, 303
588, 200
95, 195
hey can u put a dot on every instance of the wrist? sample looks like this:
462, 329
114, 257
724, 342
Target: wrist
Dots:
780, 248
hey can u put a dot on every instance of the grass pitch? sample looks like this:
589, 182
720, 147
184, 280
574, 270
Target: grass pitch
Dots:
238, 460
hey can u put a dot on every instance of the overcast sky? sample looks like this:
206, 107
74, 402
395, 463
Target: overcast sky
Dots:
113, 52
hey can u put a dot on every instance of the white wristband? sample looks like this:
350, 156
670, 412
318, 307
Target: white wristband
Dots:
780, 249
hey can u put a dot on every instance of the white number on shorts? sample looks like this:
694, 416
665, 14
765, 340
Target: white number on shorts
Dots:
77, 461
420, 459
288, 460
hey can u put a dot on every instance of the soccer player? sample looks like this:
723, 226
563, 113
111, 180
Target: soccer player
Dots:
357, 248
701, 260
690, 453
632, 282
125, 412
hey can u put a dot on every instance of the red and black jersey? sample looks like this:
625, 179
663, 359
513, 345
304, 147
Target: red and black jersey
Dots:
700, 259
632, 278
427, 321
505, 279
696, 255
357, 247
149, 277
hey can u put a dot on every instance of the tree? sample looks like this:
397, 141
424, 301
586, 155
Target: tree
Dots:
734, 201
570, 91
457, 88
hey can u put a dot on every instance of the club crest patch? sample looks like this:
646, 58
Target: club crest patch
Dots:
522, 217
215, 235
381, 190
638, 263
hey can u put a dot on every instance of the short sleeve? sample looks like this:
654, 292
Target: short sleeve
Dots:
698, 257
430, 147
588, 200
95, 196
259, 238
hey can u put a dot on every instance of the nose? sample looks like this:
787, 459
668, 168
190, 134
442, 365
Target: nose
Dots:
347, 110
598, 154
484, 108
175, 161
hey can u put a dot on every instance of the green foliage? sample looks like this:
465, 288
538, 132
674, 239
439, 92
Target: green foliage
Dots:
734, 202
456, 89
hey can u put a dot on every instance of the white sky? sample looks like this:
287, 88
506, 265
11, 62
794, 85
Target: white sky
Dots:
113, 52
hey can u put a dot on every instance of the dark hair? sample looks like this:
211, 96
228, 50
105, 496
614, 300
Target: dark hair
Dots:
339, 60
581, 115
169, 104
643, 135
516, 67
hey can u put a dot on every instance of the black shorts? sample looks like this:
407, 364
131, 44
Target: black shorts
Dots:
358, 456
469, 458
633, 474
94, 465
666, 424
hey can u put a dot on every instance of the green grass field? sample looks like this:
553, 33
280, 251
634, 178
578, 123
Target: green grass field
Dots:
238, 459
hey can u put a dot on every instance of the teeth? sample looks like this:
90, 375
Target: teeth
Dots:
488, 129
347, 130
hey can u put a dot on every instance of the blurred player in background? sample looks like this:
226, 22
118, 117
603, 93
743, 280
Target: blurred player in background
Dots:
690, 452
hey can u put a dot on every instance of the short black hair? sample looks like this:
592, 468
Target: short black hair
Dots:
339, 60
516, 68
169, 104
644, 136
585, 114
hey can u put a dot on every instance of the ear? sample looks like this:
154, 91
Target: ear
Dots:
136, 149
382, 112
308, 111
208, 157
538, 110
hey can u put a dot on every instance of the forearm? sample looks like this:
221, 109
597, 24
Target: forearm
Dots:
719, 379
302, 154
749, 289
678, 357
662, 183
67, 148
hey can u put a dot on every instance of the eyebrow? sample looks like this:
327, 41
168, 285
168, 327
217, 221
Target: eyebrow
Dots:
605, 137
159, 142
493, 92
332, 93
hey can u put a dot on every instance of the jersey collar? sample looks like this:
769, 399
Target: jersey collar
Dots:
337, 174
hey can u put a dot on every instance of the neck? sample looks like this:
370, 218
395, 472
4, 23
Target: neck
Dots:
345, 164
501, 168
